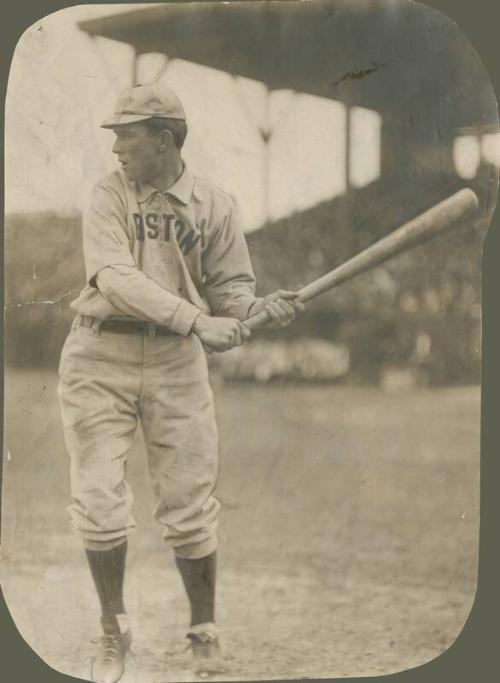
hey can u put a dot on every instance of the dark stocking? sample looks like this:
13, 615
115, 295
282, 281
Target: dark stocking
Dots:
199, 580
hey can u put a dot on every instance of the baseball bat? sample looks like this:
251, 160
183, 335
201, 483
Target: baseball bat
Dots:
435, 221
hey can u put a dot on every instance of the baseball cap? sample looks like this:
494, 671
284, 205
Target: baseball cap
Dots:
142, 102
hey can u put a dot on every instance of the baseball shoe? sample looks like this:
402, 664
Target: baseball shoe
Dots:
109, 663
205, 646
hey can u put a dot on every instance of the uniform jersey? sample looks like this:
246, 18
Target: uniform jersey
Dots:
184, 249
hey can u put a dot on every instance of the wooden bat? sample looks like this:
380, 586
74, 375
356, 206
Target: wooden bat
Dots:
435, 221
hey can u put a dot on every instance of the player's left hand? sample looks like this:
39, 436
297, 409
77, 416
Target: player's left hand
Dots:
281, 306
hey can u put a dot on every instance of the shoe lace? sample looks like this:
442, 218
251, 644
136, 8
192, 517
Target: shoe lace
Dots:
111, 645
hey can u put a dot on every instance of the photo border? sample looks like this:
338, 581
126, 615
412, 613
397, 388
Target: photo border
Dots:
474, 655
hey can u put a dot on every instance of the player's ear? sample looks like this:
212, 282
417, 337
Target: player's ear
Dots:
166, 140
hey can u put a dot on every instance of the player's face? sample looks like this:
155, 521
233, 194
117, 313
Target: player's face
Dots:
138, 152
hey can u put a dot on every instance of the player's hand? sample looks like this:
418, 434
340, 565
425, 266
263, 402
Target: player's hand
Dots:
281, 306
220, 334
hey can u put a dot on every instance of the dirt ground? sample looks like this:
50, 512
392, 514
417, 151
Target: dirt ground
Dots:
348, 538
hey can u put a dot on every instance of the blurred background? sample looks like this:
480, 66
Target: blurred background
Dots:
349, 464
328, 145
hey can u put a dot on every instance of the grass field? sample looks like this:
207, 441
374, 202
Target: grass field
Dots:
348, 538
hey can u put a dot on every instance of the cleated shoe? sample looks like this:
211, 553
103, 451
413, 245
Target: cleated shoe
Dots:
109, 664
205, 646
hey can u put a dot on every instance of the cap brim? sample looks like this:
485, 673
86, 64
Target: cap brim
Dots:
123, 119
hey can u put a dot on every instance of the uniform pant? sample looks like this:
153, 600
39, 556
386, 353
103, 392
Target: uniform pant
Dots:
109, 381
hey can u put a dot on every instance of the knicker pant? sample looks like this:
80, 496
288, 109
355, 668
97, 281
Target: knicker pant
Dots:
108, 382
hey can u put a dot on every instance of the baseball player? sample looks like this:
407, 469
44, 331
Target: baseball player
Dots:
168, 273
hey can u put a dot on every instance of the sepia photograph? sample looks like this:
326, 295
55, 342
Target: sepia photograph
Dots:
242, 248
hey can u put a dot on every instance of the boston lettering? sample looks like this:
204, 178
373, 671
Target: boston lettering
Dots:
159, 226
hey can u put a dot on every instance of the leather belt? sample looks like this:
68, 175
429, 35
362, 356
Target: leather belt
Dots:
118, 326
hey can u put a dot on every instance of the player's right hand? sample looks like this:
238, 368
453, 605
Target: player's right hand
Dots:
220, 334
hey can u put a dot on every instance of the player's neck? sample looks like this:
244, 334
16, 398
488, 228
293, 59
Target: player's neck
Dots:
169, 174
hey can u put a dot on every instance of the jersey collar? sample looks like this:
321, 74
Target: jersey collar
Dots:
182, 189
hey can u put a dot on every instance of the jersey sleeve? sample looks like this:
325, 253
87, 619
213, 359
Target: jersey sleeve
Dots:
111, 268
133, 293
229, 280
105, 240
